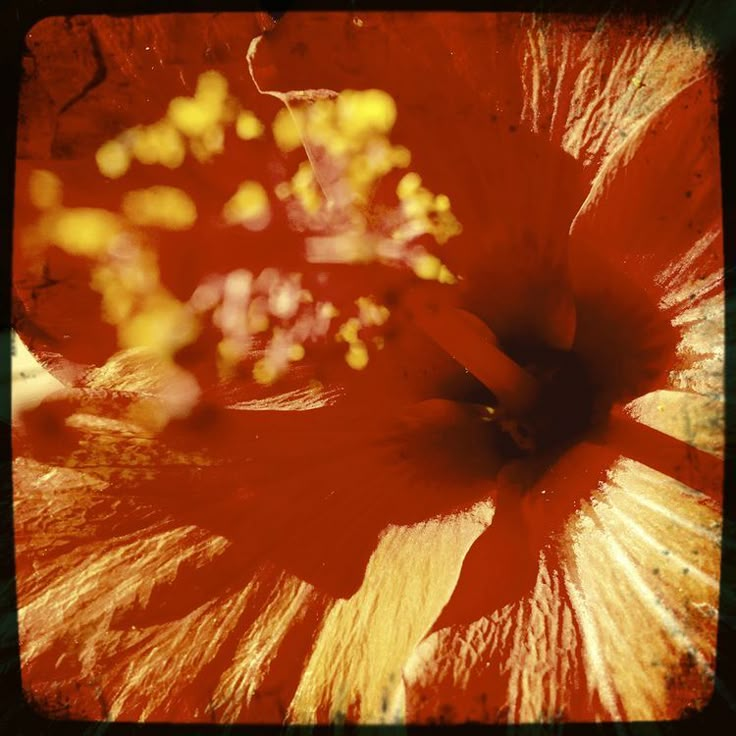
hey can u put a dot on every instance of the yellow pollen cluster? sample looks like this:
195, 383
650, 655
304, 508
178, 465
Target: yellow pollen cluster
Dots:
122, 271
285, 129
229, 353
258, 320
304, 187
327, 310
366, 168
347, 140
248, 206
124, 284
296, 352
430, 268
264, 372
44, 189
198, 115
163, 325
80, 231
357, 356
425, 212
363, 113
370, 315
159, 206
159, 143
244, 305
197, 121
282, 350
113, 159
352, 130
248, 126
133, 299
349, 330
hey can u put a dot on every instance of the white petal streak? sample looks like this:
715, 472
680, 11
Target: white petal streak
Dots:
259, 645
543, 656
673, 559
654, 627
596, 102
141, 690
356, 665
678, 275
90, 590
702, 343
693, 418
599, 678
520, 664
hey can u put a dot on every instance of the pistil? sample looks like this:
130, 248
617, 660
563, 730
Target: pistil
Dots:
474, 345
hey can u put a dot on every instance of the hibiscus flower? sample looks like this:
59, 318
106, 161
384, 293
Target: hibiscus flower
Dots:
389, 354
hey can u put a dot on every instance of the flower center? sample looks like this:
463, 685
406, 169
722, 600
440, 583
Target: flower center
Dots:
543, 399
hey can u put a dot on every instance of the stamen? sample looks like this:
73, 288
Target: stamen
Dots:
472, 344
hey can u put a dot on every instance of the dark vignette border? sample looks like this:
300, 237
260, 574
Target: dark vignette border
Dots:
711, 21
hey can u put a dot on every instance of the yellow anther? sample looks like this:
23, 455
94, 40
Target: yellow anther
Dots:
296, 352
349, 330
357, 355
231, 351
83, 231
310, 201
441, 203
361, 173
379, 342
113, 159
211, 87
336, 144
362, 113
194, 117
44, 189
400, 157
371, 314
121, 286
327, 310
282, 190
304, 188
417, 204
117, 304
446, 228
210, 143
427, 266
445, 276
257, 317
160, 206
248, 206
285, 130
283, 301
303, 178
117, 299
248, 126
320, 122
145, 145
164, 326
169, 144
408, 184
264, 372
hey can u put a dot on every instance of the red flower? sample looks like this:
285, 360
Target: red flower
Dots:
327, 301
